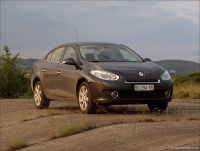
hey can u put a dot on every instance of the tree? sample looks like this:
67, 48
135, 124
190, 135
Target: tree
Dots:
13, 82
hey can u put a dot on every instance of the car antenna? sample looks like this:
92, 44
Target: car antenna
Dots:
76, 35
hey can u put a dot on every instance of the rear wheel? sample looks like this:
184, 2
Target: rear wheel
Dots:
158, 106
85, 101
40, 99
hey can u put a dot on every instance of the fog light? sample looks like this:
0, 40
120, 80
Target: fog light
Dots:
115, 94
167, 93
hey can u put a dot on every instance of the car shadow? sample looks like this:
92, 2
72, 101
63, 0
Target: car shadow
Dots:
122, 109
113, 109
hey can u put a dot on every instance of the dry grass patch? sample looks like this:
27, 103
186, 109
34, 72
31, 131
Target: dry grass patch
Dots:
50, 112
18, 144
116, 120
193, 118
45, 113
187, 91
146, 120
83, 125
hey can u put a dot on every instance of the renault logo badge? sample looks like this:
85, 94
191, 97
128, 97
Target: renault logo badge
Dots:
141, 74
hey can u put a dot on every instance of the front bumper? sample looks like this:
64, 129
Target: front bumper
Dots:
101, 93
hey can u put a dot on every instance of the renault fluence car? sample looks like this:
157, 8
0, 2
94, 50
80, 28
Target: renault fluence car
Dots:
95, 73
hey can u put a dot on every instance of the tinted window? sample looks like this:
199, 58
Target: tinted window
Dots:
70, 53
109, 53
57, 54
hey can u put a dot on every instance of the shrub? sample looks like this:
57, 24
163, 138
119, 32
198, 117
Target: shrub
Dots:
183, 94
195, 95
188, 78
14, 82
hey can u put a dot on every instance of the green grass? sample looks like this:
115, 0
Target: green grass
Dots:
18, 144
84, 125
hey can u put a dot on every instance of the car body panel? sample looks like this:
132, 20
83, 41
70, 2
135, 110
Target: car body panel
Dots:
49, 70
65, 80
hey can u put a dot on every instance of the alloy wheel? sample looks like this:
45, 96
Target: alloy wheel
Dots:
83, 98
37, 95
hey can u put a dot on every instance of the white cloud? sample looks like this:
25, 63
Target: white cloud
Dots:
183, 9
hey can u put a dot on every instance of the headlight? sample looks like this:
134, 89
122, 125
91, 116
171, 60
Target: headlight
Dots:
165, 76
104, 75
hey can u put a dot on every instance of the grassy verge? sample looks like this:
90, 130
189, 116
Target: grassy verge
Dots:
45, 113
83, 125
187, 91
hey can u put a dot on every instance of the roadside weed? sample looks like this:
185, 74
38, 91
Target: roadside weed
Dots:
187, 91
83, 125
15, 145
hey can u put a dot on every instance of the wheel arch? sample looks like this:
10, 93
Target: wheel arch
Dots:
81, 80
34, 82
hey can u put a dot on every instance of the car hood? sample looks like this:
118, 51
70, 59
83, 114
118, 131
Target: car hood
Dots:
129, 69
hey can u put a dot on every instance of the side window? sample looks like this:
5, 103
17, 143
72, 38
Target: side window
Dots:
57, 54
70, 53
48, 58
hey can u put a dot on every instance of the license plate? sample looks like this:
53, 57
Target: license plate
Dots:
144, 87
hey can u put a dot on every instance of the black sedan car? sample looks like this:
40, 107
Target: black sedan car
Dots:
94, 73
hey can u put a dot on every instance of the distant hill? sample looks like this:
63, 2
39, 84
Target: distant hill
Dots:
26, 63
173, 66
179, 66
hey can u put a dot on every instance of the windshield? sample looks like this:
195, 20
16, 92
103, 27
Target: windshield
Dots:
108, 53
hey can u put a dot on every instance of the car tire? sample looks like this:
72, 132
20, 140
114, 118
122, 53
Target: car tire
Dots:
158, 106
85, 101
162, 106
40, 100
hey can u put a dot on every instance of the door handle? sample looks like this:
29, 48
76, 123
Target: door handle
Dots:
58, 72
44, 70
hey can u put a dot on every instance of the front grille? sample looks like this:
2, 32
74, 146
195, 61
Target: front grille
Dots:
134, 94
142, 81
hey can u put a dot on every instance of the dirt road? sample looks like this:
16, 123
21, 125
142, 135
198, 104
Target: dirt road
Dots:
119, 128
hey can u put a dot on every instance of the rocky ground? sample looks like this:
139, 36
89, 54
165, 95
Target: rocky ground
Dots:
130, 127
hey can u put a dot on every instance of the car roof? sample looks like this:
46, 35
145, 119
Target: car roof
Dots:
91, 43
85, 43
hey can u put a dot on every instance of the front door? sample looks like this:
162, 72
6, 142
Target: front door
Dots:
66, 83
49, 69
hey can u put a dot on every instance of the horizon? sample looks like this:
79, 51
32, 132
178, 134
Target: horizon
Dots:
150, 58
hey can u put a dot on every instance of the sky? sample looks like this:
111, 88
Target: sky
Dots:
157, 30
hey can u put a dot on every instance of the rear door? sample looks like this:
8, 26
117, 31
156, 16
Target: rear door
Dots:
66, 79
49, 69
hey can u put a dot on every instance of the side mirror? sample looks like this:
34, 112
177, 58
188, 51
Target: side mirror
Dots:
147, 59
69, 61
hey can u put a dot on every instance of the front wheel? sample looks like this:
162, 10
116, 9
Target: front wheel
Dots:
85, 101
40, 99
159, 106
